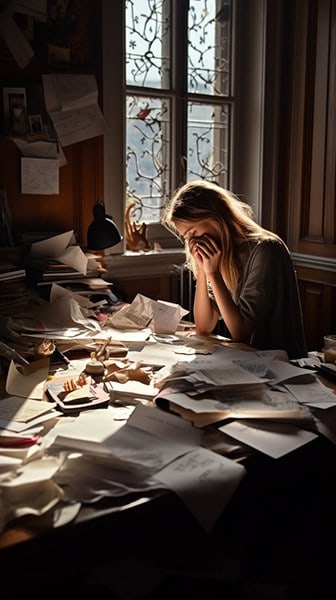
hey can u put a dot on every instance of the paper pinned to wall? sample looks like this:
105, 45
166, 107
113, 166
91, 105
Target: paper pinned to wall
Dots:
39, 176
41, 149
72, 103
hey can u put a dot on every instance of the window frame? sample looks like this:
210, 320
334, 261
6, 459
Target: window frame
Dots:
246, 133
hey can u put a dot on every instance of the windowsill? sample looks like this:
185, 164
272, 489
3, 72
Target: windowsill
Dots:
143, 264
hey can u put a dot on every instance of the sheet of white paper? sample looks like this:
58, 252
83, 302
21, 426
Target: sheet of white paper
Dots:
131, 447
14, 503
28, 381
281, 372
71, 101
157, 354
161, 317
274, 439
90, 479
41, 149
126, 335
9, 462
53, 246
39, 176
314, 394
18, 409
36, 421
36, 471
325, 421
166, 316
205, 482
79, 124
163, 424
57, 291
64, 91
63, 314
75, 258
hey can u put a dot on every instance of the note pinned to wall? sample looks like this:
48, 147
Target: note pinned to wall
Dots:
39, 176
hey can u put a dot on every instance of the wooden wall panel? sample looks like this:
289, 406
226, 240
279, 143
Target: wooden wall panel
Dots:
318, 300
307, 158
312, 153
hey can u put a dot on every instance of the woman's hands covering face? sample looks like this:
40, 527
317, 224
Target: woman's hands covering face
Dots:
206, 252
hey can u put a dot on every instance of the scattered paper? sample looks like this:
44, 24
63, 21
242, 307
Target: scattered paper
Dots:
274, 439
161, 317
53, 246
27, 381
21, 410
41, 149
314, 394
205, 482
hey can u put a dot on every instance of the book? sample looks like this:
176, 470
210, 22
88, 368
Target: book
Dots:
262, 404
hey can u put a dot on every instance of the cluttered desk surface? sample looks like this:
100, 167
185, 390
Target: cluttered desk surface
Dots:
133, 398
145, 413
112, 434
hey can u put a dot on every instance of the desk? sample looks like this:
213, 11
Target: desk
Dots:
272, 538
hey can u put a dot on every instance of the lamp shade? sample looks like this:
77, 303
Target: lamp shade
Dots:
102, 232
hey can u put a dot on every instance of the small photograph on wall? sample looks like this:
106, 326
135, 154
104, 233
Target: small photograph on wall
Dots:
15, 111
36, 129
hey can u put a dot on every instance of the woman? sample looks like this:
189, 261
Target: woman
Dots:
243, 272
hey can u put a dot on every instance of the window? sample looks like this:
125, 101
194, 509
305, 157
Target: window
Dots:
208, 104
178, 97
173, 97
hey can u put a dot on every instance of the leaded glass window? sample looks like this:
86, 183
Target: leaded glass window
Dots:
177, 129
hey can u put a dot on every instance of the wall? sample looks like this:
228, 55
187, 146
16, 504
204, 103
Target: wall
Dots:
81, 179
307, 158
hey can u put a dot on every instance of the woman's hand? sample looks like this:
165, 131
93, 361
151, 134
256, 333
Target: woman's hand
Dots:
206, 253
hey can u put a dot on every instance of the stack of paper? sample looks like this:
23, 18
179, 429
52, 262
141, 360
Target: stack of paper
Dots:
231, 384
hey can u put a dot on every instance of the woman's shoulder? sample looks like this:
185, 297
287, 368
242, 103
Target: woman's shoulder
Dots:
264, 249
270, 244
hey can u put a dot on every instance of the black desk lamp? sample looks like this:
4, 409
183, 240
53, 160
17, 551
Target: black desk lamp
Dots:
102, 232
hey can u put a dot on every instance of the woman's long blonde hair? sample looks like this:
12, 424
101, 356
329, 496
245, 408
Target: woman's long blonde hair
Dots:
231, 218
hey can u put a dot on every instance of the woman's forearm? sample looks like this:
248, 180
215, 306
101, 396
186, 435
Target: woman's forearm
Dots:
205, 316
239, 328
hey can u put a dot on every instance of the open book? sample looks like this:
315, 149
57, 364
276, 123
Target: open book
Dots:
215, 407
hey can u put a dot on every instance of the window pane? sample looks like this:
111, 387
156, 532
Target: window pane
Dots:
148, 148
147, 43
208, 142
209, 32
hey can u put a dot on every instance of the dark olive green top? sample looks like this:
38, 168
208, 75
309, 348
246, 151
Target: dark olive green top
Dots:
267, 294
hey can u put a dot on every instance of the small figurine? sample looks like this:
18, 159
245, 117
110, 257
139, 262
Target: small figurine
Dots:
135, 233
94, 366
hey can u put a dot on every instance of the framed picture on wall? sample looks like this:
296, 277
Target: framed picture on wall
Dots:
36, 129
15, 111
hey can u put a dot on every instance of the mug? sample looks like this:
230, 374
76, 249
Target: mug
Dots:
329, 342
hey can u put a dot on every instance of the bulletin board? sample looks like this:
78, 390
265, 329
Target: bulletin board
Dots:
67, 41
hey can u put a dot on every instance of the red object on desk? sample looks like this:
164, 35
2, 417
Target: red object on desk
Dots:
10, 441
